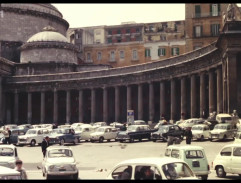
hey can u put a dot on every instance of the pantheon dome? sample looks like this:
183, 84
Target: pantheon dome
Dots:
48, 46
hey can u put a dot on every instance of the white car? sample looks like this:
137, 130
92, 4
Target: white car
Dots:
59, 161
191, 122
37, 126
223, 131
8, 156
228, 160
161, 168
9, 174
33, 137
84, 131
104, 133
48, 126
11, 126
237, 138
200, 132
99, 124
64, 126
75, 125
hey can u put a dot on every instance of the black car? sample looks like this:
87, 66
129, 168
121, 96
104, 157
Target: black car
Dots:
167, 130
133, 132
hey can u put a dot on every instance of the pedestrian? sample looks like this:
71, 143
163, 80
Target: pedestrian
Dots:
188, 134
7, 135
123, 128
19, 168
44, 145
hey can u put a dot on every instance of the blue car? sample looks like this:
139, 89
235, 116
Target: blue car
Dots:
63, 135
14, 136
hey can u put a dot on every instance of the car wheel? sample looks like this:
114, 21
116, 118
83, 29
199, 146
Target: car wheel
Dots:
140, 140
91, 140
101, 139
202, 138
61, 142
211, 139
131, 140
154, 140
121, 141
76, 176
224, 137
32, 143
204, 177
220, 172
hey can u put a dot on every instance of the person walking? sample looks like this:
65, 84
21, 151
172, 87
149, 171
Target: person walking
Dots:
188, 134
7, 135
44, 145
123, 128
19, 168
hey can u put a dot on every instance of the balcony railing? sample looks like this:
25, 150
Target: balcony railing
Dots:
201, 15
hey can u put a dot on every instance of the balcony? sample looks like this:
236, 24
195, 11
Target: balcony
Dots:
204, 15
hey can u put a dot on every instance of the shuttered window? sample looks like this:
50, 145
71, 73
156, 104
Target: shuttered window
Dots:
215, 9
161, 52
197, 11
175, 51
147, 52
215, 29
197, 31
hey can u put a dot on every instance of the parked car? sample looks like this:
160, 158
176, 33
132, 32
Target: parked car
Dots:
200, 132
25, 127
162, 168
84, 131
138, 122
64, 126
59, 161
191, 122
11, 126
223, 131
237, 137
104, 133
75, 125
8, 156
116, 125
48, 126
194, 156
167, 130
99, 124
133, 132
37, 126
227, 118
9, 174
33, 137
14, 136
63, 135
228, 160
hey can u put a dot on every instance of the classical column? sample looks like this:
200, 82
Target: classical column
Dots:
29, 108
211, 92
68, 106
16, 107
173, 99
105, 104
81, 116
219, 91
140, 101
162, 99
183, 98
42, 107
193, 97
93, 105
151, 101
129, 97
55, 117
202, 95
117, 103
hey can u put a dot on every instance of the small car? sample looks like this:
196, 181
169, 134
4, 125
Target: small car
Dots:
75, 125
228, 160
37, 126
64, 126
84, 131
223, 131
194, 156
59, 161
25, 127
8, 155
14, 136
134, 132
191, 122
165, 130
33, 137
160, 168
104, 133
99, 124
237, 138
9, 174
116, 125
10, 126
63, 135
200, 132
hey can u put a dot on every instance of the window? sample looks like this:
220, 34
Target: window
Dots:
237, 151
197, 11
147, 52
175, 153
76, 36
198, 31
194, 154
118, 31
128, 31
122, 54
163, 38
215, 9
99, 55
109, 32
98, 41
175, 51
138, 38
161, 52
226, 151
215, 29
128, 39
147, 173
109, 40
137, 29
88, 56
168, 152
122, 173
97, 32
134, 55
112, 56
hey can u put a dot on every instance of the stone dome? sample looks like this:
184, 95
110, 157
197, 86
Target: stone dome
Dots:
48, 34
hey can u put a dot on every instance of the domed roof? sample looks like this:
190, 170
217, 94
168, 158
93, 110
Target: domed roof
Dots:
48, 34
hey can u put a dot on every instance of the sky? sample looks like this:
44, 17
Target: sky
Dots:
84, 15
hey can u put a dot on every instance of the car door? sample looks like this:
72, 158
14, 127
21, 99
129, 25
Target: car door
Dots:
107, 133
85, 134
226, 158
235, 160
39, 136
14, 136
113, 133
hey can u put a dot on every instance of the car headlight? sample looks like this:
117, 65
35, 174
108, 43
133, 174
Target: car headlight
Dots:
73, 166
51, 167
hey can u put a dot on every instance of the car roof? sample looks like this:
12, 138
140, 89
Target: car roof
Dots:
185, 147
8, 171
224, 124
106, 127
150, 160
224, 115
10, 145
200, 125
139, 125
58, 147
233, 145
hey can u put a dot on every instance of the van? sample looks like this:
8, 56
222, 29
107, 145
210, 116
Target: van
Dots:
194, 156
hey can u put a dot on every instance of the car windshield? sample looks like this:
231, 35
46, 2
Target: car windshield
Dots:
197, 128
163, 129
57, 131
178, 170
5, 151
31, 132
223, 119
100, 130
55, 153
221, 127
79, 129
131, 128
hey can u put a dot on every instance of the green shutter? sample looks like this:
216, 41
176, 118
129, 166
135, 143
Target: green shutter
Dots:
194, 32
210, 9
172, 52
201, 31
149, 51
164, 51
219, 9
197, 11
211, 29
177, 51
145, 52
159, 51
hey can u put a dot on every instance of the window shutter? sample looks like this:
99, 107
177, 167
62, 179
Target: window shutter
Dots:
211, 9
172, 52
201, 31
159, 51
218, 29
177, 51
219, 9
197, 11
164, 51
194, 32
149, 52
145, 52
211, 29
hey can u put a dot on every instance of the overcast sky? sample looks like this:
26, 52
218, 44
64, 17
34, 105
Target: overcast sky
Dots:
84, 15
